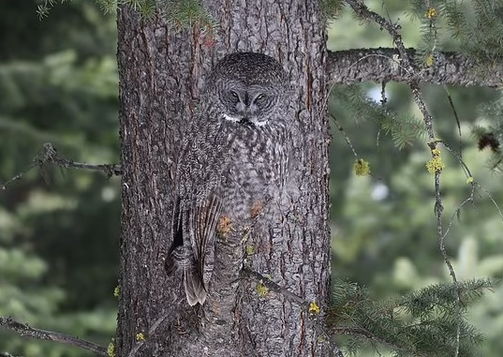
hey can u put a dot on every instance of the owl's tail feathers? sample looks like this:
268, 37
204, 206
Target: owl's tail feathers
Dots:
194, 286
181, 258
170, 265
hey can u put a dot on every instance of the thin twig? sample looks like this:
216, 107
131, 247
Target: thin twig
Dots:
18, 176
384, 99
345, 135
475, 183
454, 111
28, 331
459, 158
49, 155
296, 299
363, 11
492, 200
150, 333
469, 199
495, 166
247, 273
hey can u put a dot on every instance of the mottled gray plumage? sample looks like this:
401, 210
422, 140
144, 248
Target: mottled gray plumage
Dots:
235, 156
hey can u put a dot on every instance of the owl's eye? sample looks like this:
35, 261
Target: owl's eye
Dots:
234, 95
260, 97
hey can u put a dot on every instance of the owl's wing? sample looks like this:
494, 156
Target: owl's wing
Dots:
205, 218
194, 230
196, 211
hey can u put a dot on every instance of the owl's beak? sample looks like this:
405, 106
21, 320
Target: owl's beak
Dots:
247, 122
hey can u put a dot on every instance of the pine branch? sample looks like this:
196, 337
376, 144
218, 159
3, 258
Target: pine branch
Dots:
28, 331
364, 333
422, 323
383, 65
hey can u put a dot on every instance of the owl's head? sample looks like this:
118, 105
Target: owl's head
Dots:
247, 88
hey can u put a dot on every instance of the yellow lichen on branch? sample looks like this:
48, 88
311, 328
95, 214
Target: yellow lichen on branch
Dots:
111, 350
314, 308
435, 164
250, 250
431, 13
140, 336
261, 289
429, 60
361, 168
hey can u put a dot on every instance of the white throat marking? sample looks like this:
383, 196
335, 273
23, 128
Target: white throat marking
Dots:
229, 118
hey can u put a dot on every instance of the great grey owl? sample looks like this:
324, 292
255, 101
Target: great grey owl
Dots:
235, 157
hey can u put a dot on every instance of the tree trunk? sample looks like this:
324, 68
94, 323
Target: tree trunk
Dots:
161, 70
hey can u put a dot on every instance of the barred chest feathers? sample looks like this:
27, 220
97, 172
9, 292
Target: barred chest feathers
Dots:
256, 169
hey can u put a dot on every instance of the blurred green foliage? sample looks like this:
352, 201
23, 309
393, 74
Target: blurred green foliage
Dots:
59, 231
383, 226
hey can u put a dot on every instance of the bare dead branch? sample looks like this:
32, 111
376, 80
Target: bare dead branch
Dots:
150, 333
317, 323
48, 155
380, 64
345, 135
18, 176
383, 65
491, 198
274, 287
28, 331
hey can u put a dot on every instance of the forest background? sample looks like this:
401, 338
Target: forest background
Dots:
59, 229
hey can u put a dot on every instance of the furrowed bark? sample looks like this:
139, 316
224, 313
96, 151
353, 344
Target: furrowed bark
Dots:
383, 65
161, 70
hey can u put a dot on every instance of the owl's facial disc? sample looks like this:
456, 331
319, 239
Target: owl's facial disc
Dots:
248, 105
